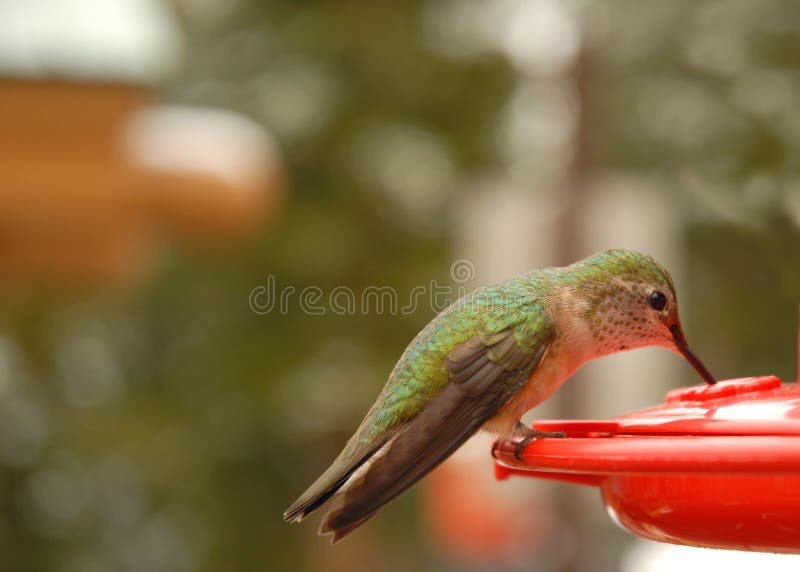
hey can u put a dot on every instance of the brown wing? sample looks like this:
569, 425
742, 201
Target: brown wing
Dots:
485, 373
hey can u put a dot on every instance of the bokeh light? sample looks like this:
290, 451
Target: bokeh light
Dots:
164, 162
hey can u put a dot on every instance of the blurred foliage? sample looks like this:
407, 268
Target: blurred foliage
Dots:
703, 98
168, 428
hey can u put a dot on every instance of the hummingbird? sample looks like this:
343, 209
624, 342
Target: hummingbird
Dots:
483, 363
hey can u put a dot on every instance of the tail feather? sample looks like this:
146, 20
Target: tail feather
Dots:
339, 533
314, 497
330, 481
432, 436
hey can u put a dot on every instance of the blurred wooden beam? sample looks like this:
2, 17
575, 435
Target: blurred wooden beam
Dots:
77, 204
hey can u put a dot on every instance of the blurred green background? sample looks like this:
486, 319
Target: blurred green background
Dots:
167, 426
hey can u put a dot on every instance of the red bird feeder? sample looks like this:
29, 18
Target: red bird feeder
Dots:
715, 466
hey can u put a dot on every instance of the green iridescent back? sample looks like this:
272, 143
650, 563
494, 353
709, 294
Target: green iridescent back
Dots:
421, 373
519, 303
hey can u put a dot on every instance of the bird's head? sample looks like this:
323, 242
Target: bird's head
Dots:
629, 301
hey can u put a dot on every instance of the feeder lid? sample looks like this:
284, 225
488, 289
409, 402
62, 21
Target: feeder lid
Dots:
691, 431
746, 406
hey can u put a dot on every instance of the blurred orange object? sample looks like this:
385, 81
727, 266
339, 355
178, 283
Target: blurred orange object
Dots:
475, 521
92, 176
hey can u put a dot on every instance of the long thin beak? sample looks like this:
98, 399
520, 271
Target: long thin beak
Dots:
686, 351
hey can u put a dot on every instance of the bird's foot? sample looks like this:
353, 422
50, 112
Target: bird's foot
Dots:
527, 435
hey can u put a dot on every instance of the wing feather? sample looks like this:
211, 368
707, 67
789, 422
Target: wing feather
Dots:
478, 388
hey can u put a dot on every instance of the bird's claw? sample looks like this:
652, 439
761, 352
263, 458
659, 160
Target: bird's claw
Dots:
528, 435
521, 447
531, 435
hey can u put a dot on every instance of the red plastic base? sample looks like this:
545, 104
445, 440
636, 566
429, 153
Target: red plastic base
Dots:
714, 466
733, 512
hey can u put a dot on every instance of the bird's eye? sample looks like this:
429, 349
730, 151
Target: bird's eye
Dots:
657, 300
